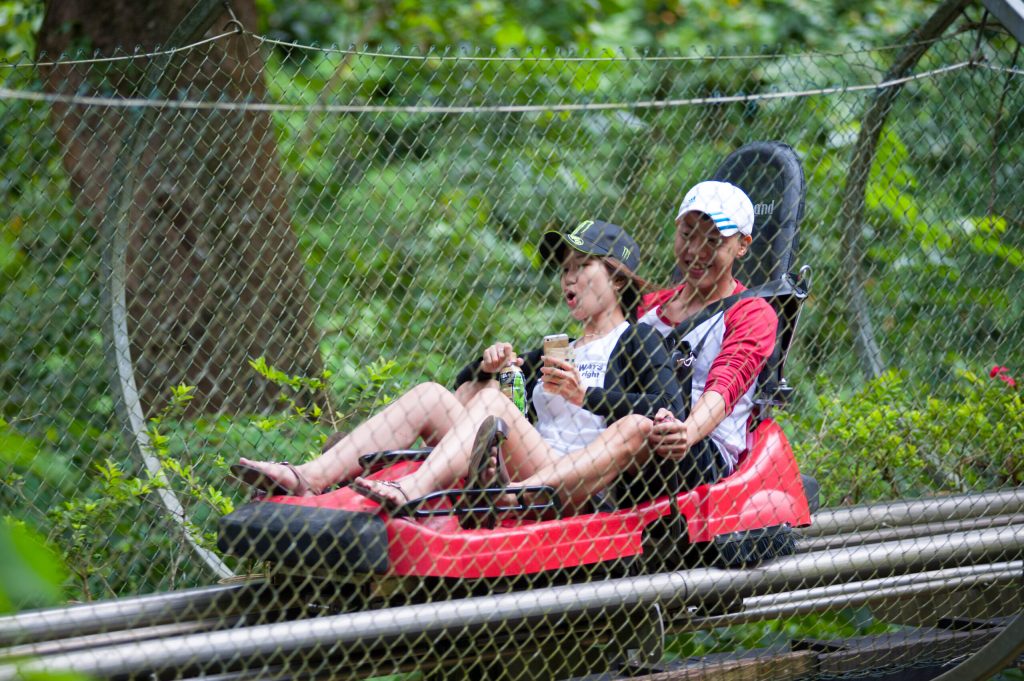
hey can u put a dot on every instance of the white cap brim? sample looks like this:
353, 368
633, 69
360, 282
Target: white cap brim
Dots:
726, 225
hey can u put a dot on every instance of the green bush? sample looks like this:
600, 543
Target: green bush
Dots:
896, 437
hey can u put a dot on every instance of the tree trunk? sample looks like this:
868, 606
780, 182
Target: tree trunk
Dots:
214, 276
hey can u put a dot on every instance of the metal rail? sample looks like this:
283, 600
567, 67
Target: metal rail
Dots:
833, 529
142, 611
874, 536
343, 634
860, 593
904, 513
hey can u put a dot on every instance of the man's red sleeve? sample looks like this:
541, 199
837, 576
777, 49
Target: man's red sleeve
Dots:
750, 328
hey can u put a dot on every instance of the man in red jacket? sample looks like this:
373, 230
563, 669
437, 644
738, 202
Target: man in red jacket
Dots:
713, 228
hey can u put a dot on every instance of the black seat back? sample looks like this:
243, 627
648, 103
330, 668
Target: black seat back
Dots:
772, 176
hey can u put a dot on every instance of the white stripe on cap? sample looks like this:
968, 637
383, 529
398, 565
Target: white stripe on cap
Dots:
726, 204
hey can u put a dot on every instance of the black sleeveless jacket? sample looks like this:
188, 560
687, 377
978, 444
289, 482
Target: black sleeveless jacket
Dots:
639, 378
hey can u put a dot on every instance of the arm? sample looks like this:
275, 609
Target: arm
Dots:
672, 438
750, 328
644, 381
495, 357
748, 342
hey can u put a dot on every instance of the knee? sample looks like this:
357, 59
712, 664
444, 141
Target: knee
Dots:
489, 396
431, 399
430, 391
635, 428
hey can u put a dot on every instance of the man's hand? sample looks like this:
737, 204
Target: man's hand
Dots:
497, 357
674, 309
670, 437
562, 378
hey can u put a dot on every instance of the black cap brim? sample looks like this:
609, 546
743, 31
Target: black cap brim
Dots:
552, 246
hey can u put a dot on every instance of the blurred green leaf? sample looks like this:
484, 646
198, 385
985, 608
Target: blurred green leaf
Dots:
31, 575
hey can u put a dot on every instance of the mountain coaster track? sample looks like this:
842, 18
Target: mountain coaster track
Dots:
870, 555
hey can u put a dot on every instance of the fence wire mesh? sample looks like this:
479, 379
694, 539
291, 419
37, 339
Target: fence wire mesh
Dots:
249, 248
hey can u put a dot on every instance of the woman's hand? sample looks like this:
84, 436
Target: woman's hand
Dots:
497, 357
561, 378
670, 437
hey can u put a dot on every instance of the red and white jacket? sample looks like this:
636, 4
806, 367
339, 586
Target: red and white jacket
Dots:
736, 347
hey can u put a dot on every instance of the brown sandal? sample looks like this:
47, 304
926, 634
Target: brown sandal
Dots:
481, 478
385, 502
255, 477
491, 434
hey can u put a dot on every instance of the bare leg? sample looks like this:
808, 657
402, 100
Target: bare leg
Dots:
525, 451
581, 474
429, 410
577, 475
466, 392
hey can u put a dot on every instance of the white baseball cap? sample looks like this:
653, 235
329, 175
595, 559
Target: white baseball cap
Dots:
725, 203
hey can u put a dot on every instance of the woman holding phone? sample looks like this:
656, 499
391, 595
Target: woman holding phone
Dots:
587, 420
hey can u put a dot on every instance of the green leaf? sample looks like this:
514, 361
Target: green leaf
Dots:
30, 573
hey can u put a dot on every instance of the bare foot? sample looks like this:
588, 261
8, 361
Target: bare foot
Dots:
387, 493
275, 478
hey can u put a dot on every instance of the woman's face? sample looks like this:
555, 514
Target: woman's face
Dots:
587, 286
704, 256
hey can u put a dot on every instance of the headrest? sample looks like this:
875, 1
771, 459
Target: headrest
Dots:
772, 176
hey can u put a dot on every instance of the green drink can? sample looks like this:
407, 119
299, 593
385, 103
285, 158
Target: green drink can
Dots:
513, 385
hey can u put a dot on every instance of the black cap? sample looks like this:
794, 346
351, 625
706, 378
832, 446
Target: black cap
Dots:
593, 237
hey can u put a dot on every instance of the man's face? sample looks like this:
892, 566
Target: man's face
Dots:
704, 256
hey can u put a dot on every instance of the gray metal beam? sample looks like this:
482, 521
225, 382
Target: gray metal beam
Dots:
1010, 14
125, 613
866, 592
841, 528
341, 634
904, 513
881, 534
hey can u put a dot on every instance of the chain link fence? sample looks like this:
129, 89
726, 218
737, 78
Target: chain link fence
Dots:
247, 248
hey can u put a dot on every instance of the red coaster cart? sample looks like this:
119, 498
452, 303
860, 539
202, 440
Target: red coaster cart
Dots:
742, 519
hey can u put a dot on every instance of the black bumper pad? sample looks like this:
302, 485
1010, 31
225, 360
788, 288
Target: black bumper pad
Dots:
302, 536
750, 547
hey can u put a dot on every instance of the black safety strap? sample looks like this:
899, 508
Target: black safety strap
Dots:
770, 289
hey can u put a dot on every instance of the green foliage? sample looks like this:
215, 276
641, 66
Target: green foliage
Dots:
19, 21
897, 438
31, 573
692, 26
419, 235
372, 386
101, 529
111, 524
774, 633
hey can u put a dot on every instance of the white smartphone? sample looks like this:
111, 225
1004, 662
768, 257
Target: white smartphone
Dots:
557, 346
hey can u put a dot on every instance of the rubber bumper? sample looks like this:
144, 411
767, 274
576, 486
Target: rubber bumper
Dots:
304, 536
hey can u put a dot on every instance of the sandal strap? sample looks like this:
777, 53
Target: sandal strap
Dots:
394, 484
302, 486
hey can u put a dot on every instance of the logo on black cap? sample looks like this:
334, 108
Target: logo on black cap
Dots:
576, 234
593, 237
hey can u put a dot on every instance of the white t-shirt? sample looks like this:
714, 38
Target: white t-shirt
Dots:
562, 424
